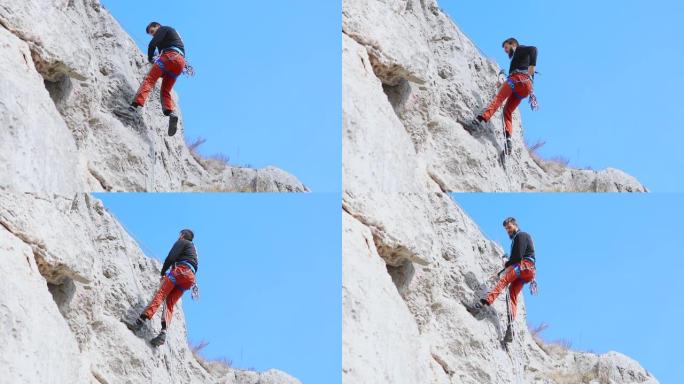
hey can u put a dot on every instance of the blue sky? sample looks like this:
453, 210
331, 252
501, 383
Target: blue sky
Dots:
268, 84
609, 83
609, 269
270, 274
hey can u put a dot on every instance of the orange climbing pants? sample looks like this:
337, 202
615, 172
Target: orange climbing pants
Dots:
516, 276
172, 286
513, 91
172, 64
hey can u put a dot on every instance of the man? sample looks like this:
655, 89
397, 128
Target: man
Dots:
178, 275
169, 65
518, 270
517, 87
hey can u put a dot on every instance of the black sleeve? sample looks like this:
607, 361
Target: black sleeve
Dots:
175, 251
533, 55
156, 39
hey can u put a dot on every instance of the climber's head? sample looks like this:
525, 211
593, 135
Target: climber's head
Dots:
511, 226
152, 28
509, 45
186, 234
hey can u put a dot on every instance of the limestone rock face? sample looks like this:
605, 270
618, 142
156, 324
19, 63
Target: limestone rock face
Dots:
69, 71
411, 82
409, 267
71, 274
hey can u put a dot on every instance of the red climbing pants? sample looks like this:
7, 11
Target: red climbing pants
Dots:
513, 91
170, 292
173, 64
516, 276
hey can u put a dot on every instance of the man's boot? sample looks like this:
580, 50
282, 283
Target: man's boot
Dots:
133, 107
173, 123
509, 334
160, 339
476, 308
137, 325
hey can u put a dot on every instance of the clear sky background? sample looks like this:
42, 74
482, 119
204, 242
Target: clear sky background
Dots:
609, 269
269, 273
610, 80
268, 84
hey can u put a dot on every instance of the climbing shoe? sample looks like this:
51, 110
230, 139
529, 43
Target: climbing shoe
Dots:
476, 308
136, 326
133, 107
509, 334
160, 339
480, 119
173, 123
509, 145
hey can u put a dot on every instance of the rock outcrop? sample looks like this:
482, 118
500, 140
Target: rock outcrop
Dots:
411, 256
70, 275
409, 266
411, 81
69, 71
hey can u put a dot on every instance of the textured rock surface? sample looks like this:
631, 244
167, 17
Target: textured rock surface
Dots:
410, 82
71, 274
64, 89
411, 256
409, 265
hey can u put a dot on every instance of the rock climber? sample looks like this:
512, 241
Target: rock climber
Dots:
177, 276
168, 65
517, 87
518, 270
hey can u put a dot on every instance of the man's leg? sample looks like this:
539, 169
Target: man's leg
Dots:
171, 301
508, 277
513, 292
510, 107
504, 93
167, 101
167, 315
147, 85
165, 288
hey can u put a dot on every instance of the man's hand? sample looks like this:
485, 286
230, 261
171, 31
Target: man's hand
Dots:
530, 70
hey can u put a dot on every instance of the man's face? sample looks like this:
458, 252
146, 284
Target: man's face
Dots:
152, 30
180, 236
511, 229
509, 49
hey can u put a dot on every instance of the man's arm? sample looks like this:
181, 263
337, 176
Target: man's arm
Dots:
175, 251
156, 39
533, 61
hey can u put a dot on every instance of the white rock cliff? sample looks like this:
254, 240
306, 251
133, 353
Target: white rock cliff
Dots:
411, 81
411, 257
69, 71
71, 273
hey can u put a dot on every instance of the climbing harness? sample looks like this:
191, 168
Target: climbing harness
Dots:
195, 292
160, 64
170, 275
187, 69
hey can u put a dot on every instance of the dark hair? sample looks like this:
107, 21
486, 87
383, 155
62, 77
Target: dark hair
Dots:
187, 234
510, 220
510, 40
150, 25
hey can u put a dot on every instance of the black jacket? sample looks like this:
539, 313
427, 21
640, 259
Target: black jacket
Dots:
523, 57
183, 250
165, 37
522, 247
